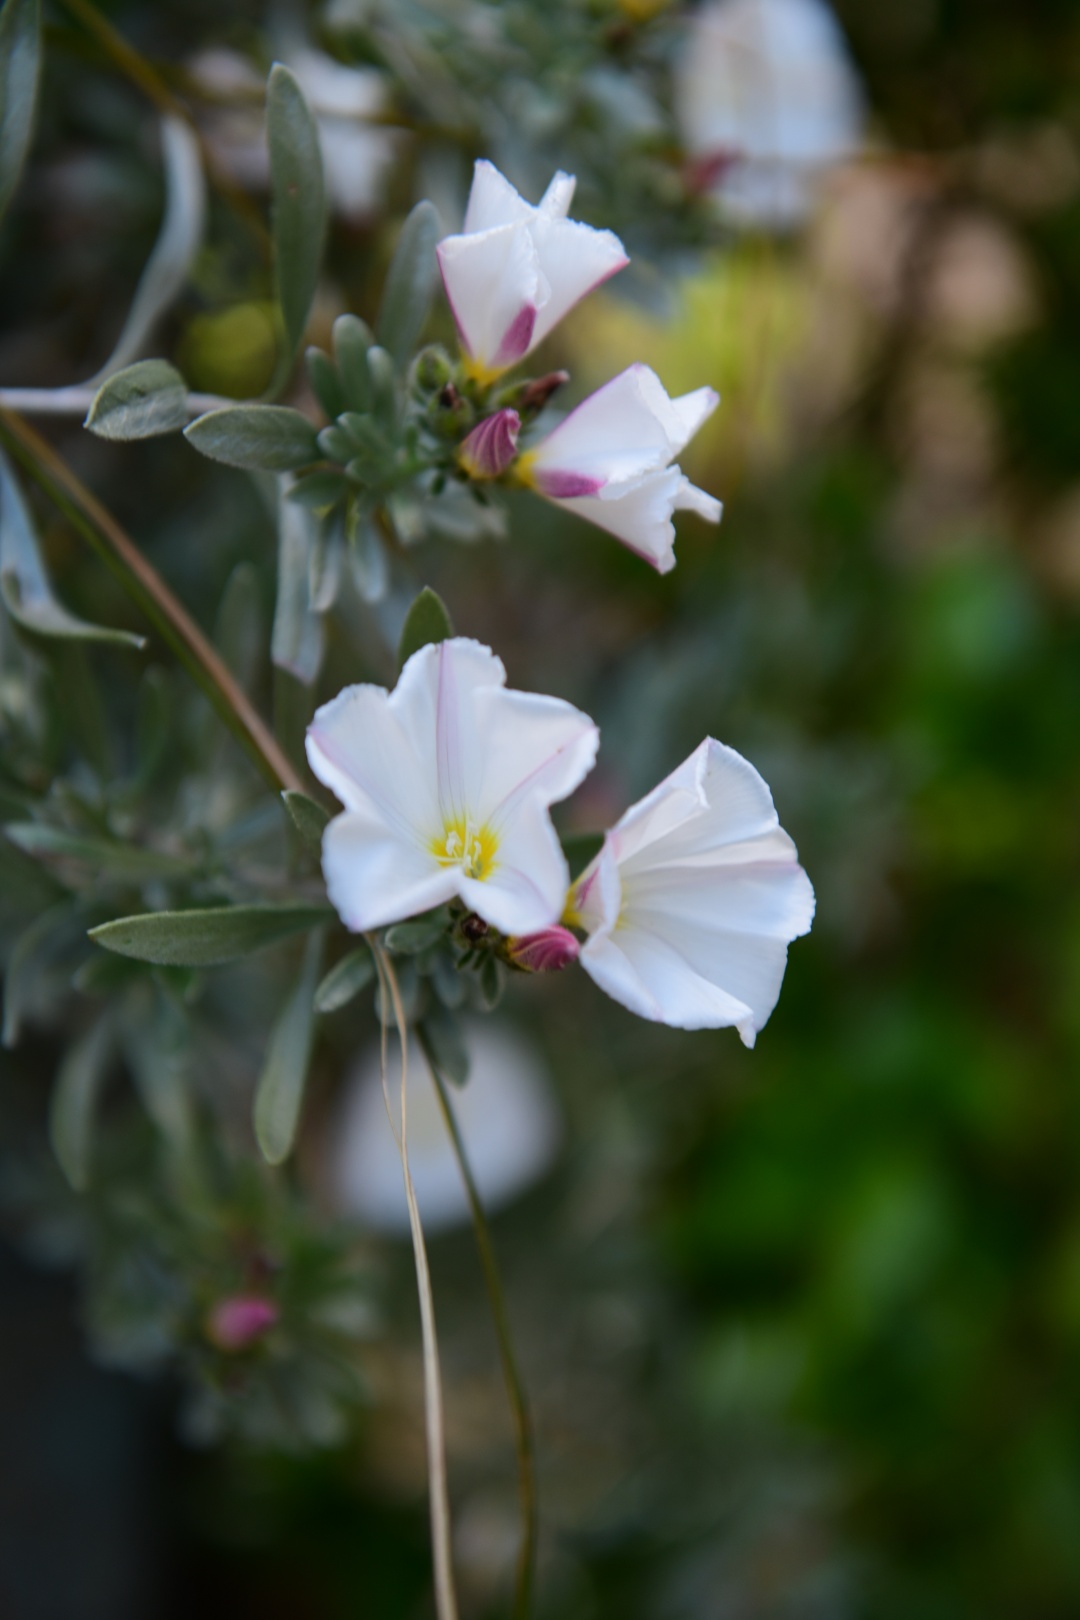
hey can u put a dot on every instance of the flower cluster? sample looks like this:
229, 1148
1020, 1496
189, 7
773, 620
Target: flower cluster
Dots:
447, 783
512, 273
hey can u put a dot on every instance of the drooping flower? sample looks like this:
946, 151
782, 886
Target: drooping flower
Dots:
693, 900
610, 462
446, 783
515, 269
767, 98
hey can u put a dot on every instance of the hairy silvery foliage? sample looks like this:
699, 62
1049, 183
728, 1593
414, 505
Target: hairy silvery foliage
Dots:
176, 926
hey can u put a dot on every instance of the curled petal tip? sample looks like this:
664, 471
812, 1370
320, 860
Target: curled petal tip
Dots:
491, 446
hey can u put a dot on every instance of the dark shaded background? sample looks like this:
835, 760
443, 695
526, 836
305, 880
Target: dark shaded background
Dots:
802, 1325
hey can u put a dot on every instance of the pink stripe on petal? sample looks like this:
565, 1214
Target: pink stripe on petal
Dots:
517, 337
565, 486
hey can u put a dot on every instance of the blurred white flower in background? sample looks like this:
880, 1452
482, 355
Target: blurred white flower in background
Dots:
767, 99
347, 103
507, 1114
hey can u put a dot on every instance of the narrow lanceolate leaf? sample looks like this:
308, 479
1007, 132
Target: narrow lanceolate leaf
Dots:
410, 283
139, 402
296, 642
352, 340
266, 438
418, 934
173, 254
205, 938
307, 817
351, 975
20, 63
281, 1085
323, 377
299, 208
74, 1101
426, 621
24, 583
109, 859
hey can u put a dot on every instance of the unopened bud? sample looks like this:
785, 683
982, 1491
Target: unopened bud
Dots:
536, 393
549, 951
236, 1322
433, 369
491, 446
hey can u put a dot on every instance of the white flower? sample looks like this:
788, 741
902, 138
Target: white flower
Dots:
507, 1115
347, 102
766, 94
692, 902
609, 460
446, 783
516, 270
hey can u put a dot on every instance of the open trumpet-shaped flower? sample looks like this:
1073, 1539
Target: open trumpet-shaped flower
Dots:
446, 783
609, 461
694, 898
515, 270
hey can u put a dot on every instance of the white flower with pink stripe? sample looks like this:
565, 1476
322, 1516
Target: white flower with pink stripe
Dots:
610, 462
447, 782
693, 900
515, 270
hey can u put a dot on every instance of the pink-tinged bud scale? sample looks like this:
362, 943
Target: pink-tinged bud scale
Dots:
549, 951
241, 1320
491, 446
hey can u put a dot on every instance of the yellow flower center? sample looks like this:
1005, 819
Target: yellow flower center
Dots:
472, 848
523, 469
478, 372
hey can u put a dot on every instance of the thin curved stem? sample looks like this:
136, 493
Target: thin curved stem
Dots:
515, 1389
146, 586
77, 400
445, 1598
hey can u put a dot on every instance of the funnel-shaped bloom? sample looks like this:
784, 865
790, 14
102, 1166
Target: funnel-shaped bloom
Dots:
515, 270
767, 98
609, 461
694, 898
446, 783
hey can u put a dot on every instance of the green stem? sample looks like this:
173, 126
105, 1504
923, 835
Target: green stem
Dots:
145, 585
515, 1389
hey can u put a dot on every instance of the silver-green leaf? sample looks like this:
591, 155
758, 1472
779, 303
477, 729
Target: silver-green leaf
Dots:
74, 1100
267, 438
299, 205
280, 1090
206, 937
410, 282
20, 66
139, 402
346, 980
24, 583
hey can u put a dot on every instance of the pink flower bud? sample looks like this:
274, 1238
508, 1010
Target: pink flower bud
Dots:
549, 951
235, 1323
491, 446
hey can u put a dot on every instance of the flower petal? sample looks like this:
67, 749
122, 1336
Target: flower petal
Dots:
537, 746
493, 200
654, 981
626, 428
574, 260
527, 888
638, 513
559, 195
494, 283
435, 701
374, 875
357, 747
733, 808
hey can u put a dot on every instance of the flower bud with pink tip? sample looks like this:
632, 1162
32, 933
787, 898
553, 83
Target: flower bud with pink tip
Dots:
549, 951
491, 446
240, 1321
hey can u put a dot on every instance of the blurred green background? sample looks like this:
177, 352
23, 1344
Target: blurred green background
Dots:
801, 1325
